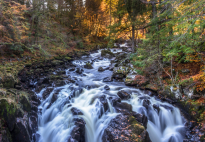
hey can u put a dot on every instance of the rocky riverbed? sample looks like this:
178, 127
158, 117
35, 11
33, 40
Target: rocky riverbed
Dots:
86, 99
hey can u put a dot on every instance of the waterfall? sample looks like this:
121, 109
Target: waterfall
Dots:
56, 119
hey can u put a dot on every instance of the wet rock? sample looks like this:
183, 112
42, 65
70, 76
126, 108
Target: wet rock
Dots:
100, 69
167, 107
79, 70
54, 97
8, 82
107, 87
124, 95
25, 103
156, 107
107, 79
88, 66
107, 54
78, 132
47, 92
59, 83
114, 99
146, 103
21, 133
141, 118
76, 111
124, 128
72, 69
118, 76
123, 106
104, 102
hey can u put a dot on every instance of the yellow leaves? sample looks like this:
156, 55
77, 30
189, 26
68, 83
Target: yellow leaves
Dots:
200, 79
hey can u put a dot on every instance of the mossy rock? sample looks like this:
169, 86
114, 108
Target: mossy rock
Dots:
8, 82
88, 66
68, 58
7, 112
56, 62
121, 70
105, 53
136, 127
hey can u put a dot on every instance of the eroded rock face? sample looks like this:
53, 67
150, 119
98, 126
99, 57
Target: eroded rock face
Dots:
125, 128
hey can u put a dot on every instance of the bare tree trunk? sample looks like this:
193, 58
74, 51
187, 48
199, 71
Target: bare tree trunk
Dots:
133, 38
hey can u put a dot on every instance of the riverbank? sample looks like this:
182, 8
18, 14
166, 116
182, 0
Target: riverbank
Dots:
18, 102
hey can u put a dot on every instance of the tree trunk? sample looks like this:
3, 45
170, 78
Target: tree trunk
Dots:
133, 38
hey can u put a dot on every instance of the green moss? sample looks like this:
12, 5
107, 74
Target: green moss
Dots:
68, 58
104, 52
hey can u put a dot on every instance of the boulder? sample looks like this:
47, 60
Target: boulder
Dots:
141, 118
125, 128
56, 62
107, 87
107, 79
107, 54
8, 82
104, 102
88, 66
47, 92
76, 111
100, 69
78, 132
79, 70
124, 95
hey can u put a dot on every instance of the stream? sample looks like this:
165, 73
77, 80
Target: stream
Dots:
80, 101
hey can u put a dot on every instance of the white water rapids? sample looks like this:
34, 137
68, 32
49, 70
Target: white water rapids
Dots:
55, 122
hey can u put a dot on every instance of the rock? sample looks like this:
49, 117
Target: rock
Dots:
123, 106
146, 103
107, 79
76, 111
104, 102
79, 70
54, 97
107, 87
8, 82
21, 133
88, 66
124, 95
156, 107
72, 69
114, 99
100, 69
185, 71
107, 54
141, 118
59, 83
1, 80
25, 103
56, 62
167, 107
78, 132
47, 92
124, 128
7, 111
130, 80
121, 70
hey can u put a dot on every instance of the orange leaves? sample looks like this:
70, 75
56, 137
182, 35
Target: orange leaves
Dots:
200, 79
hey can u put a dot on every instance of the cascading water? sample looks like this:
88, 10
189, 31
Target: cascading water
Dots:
56, 123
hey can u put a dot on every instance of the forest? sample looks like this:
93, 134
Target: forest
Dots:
156, 47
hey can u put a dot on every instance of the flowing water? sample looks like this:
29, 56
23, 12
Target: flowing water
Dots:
55, 121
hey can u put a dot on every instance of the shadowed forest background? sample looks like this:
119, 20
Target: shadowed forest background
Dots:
167, 39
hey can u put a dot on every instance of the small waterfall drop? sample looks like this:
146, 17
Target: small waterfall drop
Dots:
56, 118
